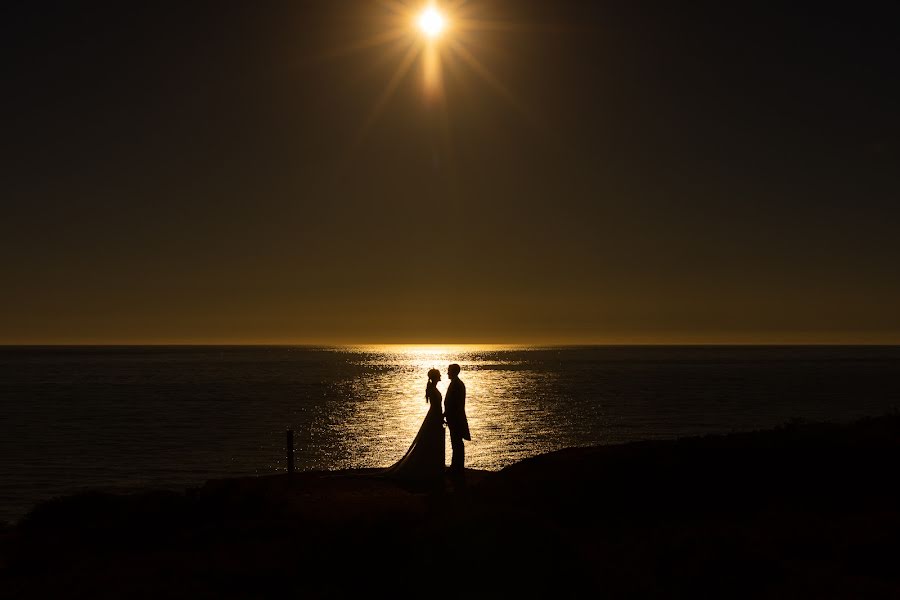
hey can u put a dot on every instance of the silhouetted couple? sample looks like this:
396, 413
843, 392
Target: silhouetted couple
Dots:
425, 458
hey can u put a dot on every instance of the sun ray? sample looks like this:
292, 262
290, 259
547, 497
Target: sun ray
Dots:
507, 26
358, 46
478, 43
496, 84
394, 6
388, 92
450, 62
395, 51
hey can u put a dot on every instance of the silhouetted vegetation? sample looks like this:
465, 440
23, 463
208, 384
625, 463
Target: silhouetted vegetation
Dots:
804, 510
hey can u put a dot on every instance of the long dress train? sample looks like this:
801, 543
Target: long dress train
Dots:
425, 458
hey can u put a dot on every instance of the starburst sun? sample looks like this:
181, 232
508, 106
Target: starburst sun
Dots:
439, 37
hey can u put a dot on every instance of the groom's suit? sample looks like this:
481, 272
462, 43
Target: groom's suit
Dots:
457, 423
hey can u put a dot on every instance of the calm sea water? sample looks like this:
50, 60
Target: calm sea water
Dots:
124, 417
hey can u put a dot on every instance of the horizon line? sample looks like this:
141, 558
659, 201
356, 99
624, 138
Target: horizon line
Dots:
428, 344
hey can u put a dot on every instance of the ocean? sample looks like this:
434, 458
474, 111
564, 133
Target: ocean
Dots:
122, 418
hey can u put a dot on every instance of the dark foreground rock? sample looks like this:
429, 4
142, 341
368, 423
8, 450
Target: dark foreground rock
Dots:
805, 510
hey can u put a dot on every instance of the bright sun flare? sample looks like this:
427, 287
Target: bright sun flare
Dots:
419, 31
431, 22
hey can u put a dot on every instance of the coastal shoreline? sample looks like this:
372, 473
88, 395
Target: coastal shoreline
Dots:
802, 510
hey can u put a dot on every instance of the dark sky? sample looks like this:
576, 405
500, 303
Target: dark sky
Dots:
629, 171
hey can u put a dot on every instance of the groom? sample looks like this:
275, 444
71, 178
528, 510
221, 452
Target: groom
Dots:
455, 413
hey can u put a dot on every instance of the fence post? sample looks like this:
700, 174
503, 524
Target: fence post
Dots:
290, 451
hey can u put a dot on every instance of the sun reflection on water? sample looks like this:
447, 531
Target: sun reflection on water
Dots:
388, 404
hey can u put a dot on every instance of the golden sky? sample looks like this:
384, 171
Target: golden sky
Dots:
565, 172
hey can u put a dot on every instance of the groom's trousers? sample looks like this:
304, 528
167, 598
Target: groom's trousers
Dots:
458, 461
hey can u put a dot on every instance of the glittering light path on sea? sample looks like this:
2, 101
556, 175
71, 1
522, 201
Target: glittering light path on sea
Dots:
507, 414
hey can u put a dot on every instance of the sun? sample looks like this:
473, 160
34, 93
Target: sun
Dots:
431, 22
440, 35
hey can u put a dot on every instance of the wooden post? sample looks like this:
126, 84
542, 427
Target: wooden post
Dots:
290, 451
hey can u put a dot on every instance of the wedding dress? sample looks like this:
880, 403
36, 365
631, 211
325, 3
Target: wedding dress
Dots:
425, 458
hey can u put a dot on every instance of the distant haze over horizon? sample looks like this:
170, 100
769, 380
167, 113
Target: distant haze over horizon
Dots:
748, 340
569, 172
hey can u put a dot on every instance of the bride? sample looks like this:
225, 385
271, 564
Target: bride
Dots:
425, 458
